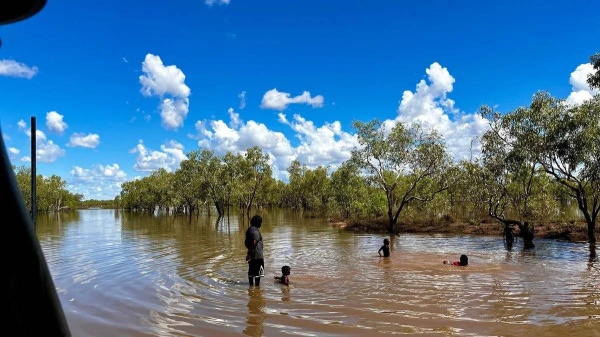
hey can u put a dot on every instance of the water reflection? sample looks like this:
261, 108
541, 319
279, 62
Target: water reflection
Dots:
256, 313
129, 275
56, 223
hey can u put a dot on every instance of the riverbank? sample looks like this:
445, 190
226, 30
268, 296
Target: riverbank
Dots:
574, 232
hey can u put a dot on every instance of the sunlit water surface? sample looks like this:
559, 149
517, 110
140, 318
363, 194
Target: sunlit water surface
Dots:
120, 274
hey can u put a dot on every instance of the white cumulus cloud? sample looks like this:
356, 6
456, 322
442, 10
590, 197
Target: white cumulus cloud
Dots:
55, 123
169, 157
581, 90
46, 150
277, 100
167, 83
14, 151
430, 106
324, 145
12, 68
101, 182
90, 140
111, 172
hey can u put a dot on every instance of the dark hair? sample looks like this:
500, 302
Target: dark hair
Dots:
386, 241
464, 260
256, 221
285, 270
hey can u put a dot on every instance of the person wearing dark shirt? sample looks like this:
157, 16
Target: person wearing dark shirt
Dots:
254, 256
385, 248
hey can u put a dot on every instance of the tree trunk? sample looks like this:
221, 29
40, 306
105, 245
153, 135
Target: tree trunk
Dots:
220, 208
591, 224
527, 232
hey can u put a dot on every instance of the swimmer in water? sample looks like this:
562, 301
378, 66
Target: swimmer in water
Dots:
464, 261
285, 273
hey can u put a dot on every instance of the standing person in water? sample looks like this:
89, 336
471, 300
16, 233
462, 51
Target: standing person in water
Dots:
254, 244
385, 248
464, 261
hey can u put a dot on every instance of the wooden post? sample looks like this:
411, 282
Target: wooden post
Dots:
33, 172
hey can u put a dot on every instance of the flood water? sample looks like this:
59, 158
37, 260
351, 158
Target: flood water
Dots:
120, 274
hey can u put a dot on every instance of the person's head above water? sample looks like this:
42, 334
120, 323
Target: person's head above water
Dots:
386, 242
256, 221
286, 270
464, 260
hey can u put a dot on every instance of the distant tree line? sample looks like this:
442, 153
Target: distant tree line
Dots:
52, 194
538, 163
94, 203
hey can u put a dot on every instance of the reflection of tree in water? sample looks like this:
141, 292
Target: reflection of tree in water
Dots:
56, 223
256, 313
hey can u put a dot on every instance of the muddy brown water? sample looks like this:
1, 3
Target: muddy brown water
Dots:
119, 274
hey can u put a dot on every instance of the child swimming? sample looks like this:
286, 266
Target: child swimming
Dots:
464, 261
285, 272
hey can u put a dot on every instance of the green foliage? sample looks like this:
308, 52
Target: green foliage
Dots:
594, 78
565, 141
407, 164
51, 192
348, 189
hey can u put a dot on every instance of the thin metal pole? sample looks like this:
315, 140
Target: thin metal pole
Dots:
33, 171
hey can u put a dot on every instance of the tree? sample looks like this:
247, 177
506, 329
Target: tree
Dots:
565, 141
465, 197
316, 189
212, 178
51, 192
594, 78
406, 163
188, 181
295, 196
508, 177
254, 169
346, 188
161, 188
231, 185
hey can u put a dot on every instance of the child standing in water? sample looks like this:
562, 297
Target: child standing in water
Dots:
385, 248
464, 261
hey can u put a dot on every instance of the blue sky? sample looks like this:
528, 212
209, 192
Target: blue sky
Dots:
122, 88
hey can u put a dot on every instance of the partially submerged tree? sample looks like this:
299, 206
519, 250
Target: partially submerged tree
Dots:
254, 171
466, 194
188, 182
308, 188
508, 176
566, 142
213, 178
407, 164
346, 188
